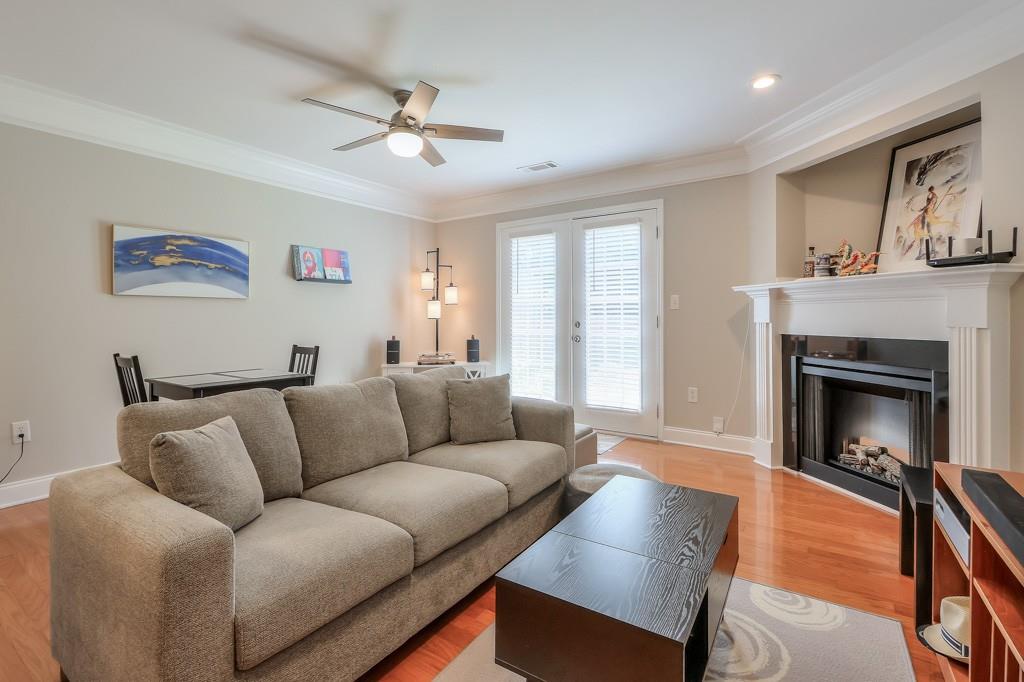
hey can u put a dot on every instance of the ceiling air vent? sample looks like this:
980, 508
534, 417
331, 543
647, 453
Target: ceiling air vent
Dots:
536, 167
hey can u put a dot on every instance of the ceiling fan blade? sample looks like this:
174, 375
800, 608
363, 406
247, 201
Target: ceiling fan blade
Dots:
430, 153
463, 132
346, 68
360, 143
420, 101
350, 112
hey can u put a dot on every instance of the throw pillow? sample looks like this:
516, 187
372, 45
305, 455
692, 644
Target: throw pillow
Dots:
481, 410
209, 470
423, 398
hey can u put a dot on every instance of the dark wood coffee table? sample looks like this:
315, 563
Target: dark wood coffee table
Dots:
630, 586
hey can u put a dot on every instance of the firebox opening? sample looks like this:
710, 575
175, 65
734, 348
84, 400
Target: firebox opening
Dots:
870, 433
862, 408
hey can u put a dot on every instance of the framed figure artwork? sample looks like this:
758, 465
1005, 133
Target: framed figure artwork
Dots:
934, 192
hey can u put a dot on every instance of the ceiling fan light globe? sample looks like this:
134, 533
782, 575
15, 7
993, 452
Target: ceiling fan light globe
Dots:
405, 143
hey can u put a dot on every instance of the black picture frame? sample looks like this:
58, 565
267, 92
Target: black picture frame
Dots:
892, 166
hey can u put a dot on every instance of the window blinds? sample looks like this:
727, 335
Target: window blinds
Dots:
532, 309
612, 317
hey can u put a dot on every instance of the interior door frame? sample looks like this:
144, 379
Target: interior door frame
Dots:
562, 223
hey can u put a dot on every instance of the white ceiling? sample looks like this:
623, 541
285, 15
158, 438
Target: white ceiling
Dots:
590, 85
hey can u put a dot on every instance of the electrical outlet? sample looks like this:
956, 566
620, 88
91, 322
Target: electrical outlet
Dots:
673, 302
718, 425
691, 394
18, 429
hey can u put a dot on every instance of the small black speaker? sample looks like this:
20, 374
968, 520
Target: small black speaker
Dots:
394, 354
473, 349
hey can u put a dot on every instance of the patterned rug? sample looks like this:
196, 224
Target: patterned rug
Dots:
767, 635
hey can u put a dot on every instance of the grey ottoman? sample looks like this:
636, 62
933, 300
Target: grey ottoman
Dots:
588, 479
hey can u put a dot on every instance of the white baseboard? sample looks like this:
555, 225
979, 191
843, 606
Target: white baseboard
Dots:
737, 445
32, 489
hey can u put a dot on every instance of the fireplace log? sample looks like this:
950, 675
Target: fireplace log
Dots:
857, 459
890, 464
868, 450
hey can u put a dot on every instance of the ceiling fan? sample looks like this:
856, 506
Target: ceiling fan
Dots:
408, 131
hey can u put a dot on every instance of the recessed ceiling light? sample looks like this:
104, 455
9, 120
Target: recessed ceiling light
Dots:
765, 81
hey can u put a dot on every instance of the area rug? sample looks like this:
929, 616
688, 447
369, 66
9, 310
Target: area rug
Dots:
767, 635
606, 442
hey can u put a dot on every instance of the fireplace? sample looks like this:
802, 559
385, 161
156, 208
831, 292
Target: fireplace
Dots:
859, 408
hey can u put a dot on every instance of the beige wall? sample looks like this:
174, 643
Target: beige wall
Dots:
705, 253
59, 324
1002, 150
790, 225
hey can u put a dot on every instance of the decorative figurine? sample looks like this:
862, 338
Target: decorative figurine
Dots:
853, 262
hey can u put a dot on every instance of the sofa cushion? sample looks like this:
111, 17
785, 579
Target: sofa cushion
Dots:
301, 565
525, 467
262, 422
439, 508
481, 410
423, 397
209, 470
346, 428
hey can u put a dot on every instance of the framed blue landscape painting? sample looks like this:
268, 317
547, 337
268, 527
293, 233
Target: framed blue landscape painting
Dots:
154, 262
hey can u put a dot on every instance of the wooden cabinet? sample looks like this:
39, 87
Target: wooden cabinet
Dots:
994, 579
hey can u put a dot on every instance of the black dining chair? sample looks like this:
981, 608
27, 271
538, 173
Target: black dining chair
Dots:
129, 376
303, 360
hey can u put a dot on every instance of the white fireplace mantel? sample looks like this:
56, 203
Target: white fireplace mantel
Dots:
968, 306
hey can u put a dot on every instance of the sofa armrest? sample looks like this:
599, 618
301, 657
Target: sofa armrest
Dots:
546, 421
142, 587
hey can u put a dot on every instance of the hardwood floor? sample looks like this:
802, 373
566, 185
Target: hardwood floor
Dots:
794, 534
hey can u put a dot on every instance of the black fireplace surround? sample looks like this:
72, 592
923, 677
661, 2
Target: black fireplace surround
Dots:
887, 394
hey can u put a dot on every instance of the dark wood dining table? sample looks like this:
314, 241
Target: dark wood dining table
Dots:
187, 386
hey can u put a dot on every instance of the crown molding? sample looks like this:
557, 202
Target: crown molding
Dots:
32, 106
602, 184
987, 37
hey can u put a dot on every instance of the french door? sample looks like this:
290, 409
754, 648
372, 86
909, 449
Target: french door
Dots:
615, 368
578, 321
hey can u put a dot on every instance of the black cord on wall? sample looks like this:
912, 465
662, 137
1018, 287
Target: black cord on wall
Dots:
22, 437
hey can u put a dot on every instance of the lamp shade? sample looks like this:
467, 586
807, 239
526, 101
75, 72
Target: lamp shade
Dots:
426, 281
451, 295
433, 309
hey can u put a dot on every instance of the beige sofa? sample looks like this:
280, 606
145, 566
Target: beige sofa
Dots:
373, 525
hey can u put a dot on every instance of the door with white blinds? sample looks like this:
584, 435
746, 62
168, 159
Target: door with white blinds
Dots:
533, 306
615, 363
578, 301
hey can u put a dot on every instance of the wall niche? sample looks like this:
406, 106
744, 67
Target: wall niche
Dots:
842, 197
